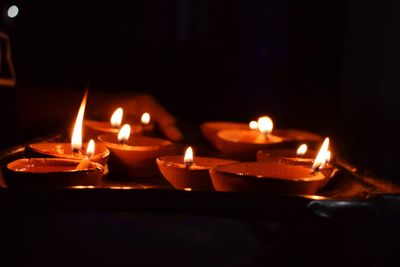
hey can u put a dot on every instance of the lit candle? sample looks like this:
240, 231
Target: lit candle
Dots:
253, 125
85, 161
93, 128
72, 150
134, 156
146, 123
116, 118
189, 171
301, 150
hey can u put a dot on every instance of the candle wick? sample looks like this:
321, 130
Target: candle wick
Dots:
188, 164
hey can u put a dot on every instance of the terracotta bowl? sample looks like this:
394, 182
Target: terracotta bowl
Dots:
285, 156
64, 150
50, 172
211, 129
93, 128
267, 177
298, 135
196, 176
137, 158
244, 144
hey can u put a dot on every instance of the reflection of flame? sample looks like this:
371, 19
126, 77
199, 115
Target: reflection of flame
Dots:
301, 150
188, 158
145, 118
90, 148
253, 125
265, 125
116, 117
321, 158
76, 140
124, 133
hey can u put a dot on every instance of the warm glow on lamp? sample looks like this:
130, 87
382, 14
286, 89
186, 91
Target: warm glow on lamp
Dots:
116, 117
145, 119
76, 140
253, 125
124, 133
321, 158
265, 125
188, 158
301, 150
90, 148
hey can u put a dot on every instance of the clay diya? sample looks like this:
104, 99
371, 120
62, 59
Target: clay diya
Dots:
73, 150
267, 177
302, 157
244, 144
94, 128
272, 176
135, 157
189, 171
211, 129
51, 172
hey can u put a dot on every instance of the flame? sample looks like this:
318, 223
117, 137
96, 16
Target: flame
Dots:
265, 125
76, 140
90, 148
116, 118
188, 158
328, 156
301, 150
124, 133
321, 158
145, 118
253, 125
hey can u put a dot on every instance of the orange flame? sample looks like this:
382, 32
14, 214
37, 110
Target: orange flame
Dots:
116, 117
90, 148
188, 158
145, 119
124, 133
253, 125
321, 158
301, 150
76, 140
265, 125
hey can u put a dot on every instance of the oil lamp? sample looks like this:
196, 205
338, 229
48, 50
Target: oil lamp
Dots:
188, 171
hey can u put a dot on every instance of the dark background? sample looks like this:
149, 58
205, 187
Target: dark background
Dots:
327, 66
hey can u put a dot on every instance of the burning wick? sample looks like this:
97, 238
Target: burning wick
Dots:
253, 125
124, 133
321, 158
188, 158
265, 125
301, 150
145, 119
76, 140
116, 118
85, 162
